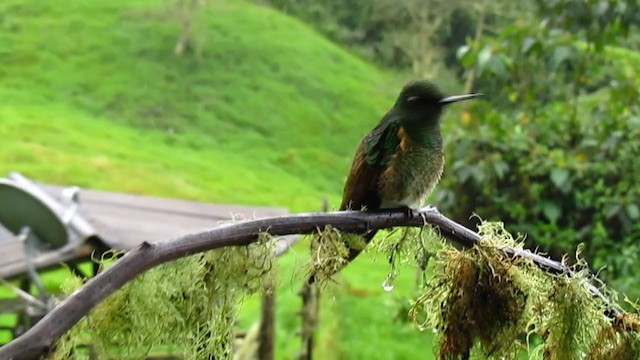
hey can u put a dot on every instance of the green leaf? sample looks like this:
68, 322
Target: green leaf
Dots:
561, 54
633, 211
498, 66
462, 51
484, 57
477, 174
601, 8
612, 209
464, 174
528, 44
559, 177
551, 211
500, 168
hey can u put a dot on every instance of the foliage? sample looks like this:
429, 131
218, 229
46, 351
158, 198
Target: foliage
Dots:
418, 35
353, 23
481, 303
188, 305
513, 64
554, 154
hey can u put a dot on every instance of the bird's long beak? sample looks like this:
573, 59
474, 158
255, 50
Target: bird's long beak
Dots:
456, 98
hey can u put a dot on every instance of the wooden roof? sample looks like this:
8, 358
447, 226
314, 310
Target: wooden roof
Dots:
124, 220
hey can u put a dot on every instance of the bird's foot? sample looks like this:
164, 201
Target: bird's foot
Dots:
427, 209
408, 211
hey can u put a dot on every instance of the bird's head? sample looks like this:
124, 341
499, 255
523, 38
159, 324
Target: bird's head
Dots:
422, 101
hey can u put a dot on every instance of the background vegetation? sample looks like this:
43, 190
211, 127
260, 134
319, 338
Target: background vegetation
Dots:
182, 98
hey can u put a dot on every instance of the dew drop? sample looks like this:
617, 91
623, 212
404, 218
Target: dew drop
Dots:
435, 330
422, 328
388, 283
387, 286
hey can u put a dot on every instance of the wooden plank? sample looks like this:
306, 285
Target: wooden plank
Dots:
125, 227
169, 205
12, 257
125, 220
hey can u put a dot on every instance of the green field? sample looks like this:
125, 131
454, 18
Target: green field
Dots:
268, 97
93, 95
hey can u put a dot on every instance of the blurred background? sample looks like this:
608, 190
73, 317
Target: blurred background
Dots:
263, 103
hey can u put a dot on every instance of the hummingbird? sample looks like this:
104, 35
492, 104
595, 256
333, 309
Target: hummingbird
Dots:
398, 164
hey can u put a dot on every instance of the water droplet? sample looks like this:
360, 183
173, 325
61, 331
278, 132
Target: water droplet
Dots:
421, 328
435, 330
388, 284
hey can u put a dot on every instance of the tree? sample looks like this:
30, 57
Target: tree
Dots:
417, 39
552, 152
186, 12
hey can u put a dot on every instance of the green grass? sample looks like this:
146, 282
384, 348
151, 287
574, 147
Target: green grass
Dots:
269, 113
267, 95
92, 152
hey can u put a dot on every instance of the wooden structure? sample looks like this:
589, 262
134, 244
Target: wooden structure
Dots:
86, 223
122, 221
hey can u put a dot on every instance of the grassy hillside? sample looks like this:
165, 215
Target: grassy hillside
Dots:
269, 113
268, 106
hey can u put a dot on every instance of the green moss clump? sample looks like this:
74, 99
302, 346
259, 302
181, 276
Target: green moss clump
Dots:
329, 253
184, 307
612, 342
472, 298
482, 303
570, 319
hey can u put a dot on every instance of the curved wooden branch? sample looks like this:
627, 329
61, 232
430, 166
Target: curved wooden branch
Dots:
40, 338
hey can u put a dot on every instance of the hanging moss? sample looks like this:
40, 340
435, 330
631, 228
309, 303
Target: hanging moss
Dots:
483, 304
613, 342
571, 318
185, 307
479, 302
472, 298
330, 250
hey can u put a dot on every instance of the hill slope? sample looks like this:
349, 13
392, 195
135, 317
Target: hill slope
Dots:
268, 106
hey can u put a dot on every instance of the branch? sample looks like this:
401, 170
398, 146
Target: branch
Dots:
39, 339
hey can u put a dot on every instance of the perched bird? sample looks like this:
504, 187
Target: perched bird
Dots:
401, 160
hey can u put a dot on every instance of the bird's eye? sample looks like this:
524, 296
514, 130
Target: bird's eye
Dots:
412, 98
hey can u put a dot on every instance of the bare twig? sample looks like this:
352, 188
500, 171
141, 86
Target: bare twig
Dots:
267, 322
40, 338
310, 294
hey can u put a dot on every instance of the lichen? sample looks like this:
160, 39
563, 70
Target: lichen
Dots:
482, 303
185, 307
329, 253
613, 342
472, 297
479, 302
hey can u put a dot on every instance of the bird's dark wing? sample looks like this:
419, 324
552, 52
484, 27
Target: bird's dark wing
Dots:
372, 156
383, 140
369, 162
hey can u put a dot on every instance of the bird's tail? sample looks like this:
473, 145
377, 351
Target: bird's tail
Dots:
353, 252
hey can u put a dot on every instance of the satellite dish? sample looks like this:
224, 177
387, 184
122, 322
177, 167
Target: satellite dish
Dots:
19, 208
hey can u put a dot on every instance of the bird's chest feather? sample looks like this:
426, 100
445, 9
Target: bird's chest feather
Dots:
412, 173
